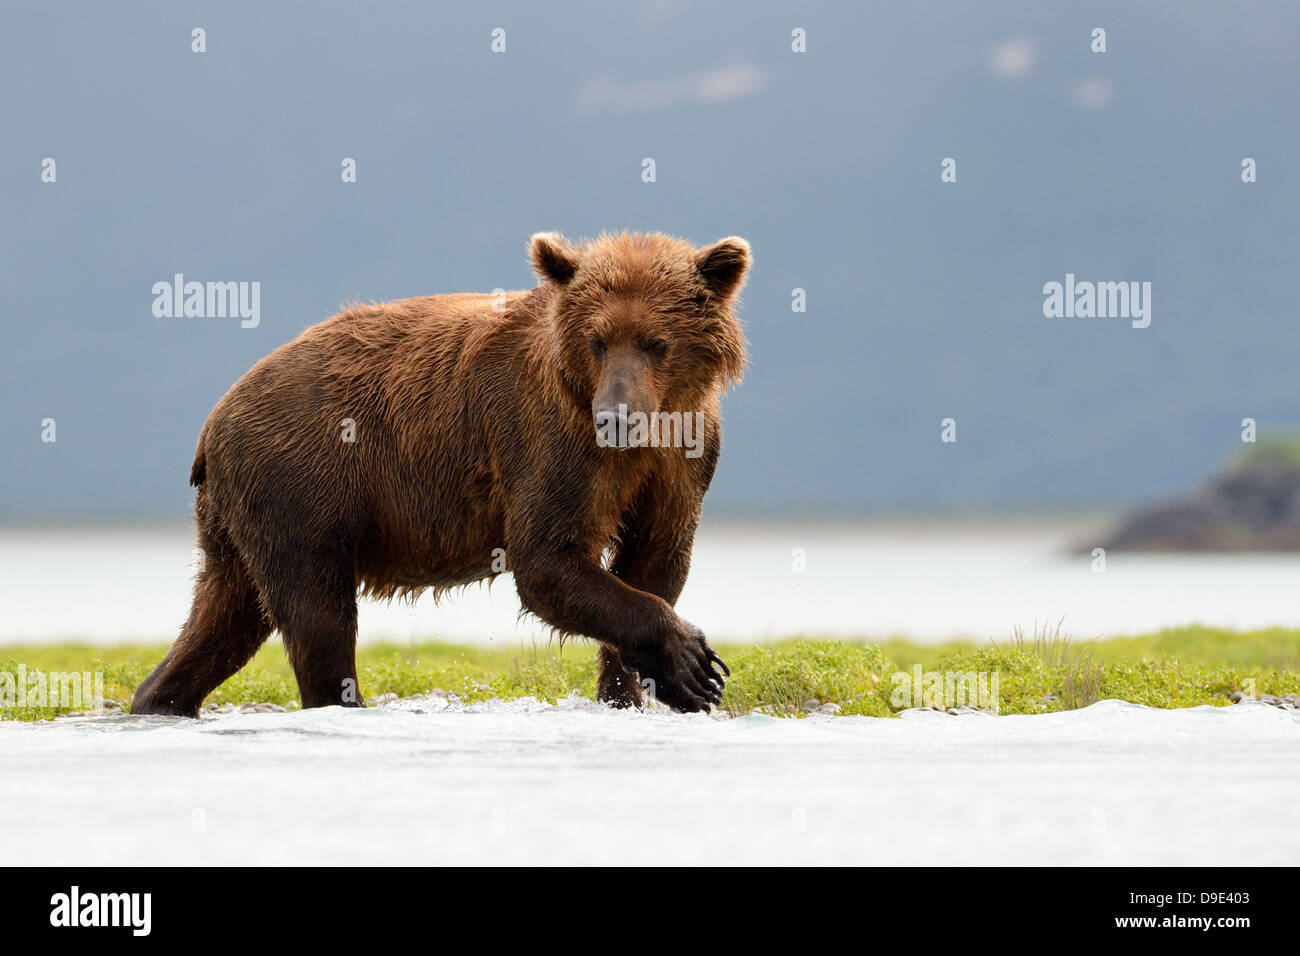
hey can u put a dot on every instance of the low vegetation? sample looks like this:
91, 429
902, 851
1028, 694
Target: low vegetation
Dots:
1182, 667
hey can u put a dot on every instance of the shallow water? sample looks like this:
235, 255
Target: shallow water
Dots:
431, 782
925, 580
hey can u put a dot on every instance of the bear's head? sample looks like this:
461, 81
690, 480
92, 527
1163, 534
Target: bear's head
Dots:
643, 323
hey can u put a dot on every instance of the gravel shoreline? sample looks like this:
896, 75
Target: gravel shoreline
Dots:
811, 708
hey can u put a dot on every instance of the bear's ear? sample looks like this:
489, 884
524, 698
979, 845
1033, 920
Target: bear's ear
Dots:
552, 257
723, 266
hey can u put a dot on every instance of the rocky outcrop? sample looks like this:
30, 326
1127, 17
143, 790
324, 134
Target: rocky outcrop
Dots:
1253, 506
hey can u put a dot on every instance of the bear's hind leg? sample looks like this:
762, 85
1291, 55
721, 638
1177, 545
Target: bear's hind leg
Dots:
314, 605
226, 626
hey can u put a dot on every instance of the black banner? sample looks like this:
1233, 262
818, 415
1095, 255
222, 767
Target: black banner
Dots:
942, 906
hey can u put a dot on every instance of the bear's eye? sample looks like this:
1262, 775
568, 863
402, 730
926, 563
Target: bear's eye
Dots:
597, 345
656, 347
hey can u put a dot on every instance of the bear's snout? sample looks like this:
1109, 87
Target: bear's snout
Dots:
611, 416
624, 396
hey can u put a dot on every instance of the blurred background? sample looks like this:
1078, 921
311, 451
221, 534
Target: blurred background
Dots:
837, 508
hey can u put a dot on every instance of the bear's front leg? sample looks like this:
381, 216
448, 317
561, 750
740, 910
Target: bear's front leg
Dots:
580, 597
649, 563
655, 540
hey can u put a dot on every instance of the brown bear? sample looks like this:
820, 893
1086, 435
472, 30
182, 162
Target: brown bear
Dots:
409, 445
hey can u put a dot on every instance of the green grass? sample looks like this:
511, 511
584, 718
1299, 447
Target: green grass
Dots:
1183, 667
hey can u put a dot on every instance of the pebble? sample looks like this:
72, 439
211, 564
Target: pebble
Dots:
1283, 701
949, 712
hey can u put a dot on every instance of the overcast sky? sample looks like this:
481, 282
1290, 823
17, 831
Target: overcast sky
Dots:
924, 298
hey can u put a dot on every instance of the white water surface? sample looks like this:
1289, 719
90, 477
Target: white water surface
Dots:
433, 782
928, 580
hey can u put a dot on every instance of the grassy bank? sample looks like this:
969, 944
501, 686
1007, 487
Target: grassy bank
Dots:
1183, 667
